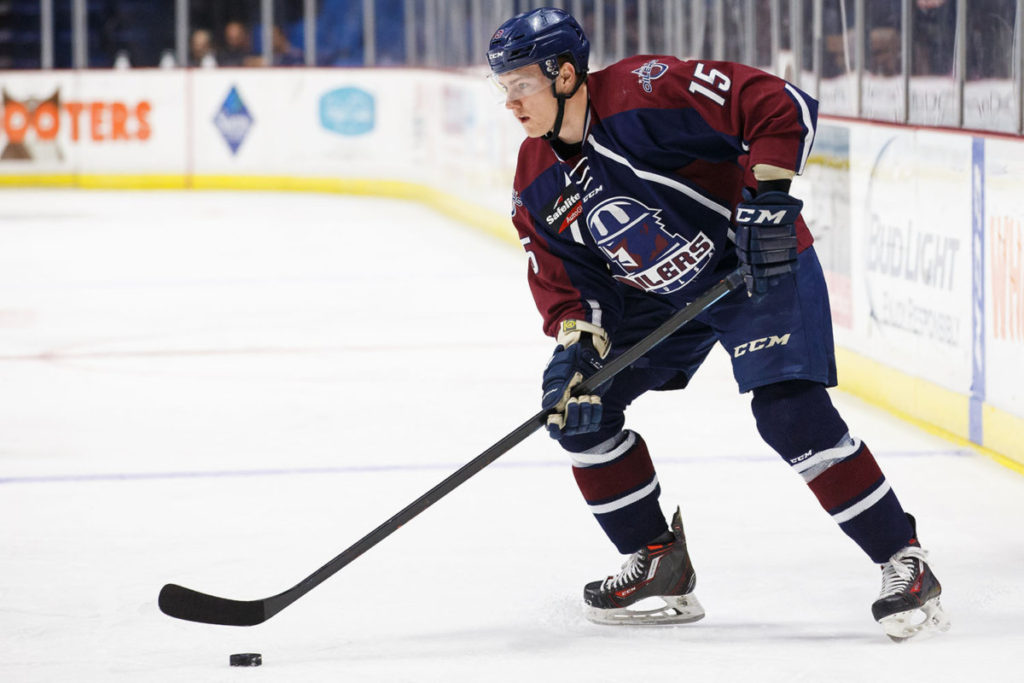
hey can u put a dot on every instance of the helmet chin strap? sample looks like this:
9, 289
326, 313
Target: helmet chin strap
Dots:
557, 128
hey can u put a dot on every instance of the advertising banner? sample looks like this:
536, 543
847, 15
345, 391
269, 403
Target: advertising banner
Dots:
92, 122
913, 272
333, 122
1003, 251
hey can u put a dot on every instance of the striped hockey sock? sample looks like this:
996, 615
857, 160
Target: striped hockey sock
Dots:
618, 481
851, 487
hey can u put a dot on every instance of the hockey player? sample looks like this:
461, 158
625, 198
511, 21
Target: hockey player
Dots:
637, 188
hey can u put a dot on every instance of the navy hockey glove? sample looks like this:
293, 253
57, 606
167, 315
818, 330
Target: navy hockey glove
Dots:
578, 355
766, 238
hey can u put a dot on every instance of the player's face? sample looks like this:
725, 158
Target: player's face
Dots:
528, 95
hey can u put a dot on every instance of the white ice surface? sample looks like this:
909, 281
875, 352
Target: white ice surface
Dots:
227, 390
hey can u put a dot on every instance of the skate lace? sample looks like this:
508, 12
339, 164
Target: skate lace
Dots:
901, 570
631, 571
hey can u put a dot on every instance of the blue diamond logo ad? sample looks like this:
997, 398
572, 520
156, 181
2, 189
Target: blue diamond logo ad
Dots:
233, 120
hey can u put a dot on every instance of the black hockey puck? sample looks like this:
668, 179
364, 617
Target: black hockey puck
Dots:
246, 659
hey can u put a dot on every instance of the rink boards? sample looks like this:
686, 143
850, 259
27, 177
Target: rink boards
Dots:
920, 231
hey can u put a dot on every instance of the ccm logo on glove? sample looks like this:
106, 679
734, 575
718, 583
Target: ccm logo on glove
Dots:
760, 216
765, 238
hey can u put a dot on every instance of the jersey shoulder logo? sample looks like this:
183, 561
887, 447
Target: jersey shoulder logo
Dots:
650, 71
641, 251
517, 201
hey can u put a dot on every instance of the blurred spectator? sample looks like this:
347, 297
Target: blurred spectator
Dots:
122, 60
884, 37
934, 28
141, 29
201, 51
838, 36
990, 43
339, 32
285, 54
237, 49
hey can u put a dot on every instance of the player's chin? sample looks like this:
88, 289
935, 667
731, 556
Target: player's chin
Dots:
530, 126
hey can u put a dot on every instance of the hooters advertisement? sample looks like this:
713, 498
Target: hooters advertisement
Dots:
61, 122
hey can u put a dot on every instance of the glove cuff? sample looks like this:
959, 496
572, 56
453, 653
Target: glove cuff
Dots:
571, 331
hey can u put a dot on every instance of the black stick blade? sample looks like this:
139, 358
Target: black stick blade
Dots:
184, 603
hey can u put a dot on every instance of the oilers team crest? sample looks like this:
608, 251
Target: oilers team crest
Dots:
642, 253
650, 71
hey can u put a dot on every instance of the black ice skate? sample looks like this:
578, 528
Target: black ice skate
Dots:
659, 571
909, 601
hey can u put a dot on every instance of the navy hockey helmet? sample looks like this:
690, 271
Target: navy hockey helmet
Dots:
539, 36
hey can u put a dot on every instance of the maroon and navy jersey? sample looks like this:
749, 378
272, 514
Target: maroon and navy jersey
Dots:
648, 202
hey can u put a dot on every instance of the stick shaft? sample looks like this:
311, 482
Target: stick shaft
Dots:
517, 436
185, 603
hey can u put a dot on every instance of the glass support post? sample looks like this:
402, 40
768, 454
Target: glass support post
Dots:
181, 34
620, 29
46, 34
818, 59
79, 35
643, 38
1018, 64
309, 31
749, 34
476, 30
267, 34
718, 30
369, 34
775, 22
430, 28
859, 46
907, 36
960, 55
796, 39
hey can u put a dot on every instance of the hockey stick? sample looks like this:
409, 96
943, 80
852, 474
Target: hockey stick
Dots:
191, 605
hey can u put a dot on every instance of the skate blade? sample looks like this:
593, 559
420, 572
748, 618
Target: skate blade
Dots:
930, 618
676, 609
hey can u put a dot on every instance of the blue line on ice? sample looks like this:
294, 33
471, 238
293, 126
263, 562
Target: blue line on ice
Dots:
363, 469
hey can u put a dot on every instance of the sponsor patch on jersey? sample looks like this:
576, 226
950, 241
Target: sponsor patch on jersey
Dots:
650, 71
641, 252
565, 208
